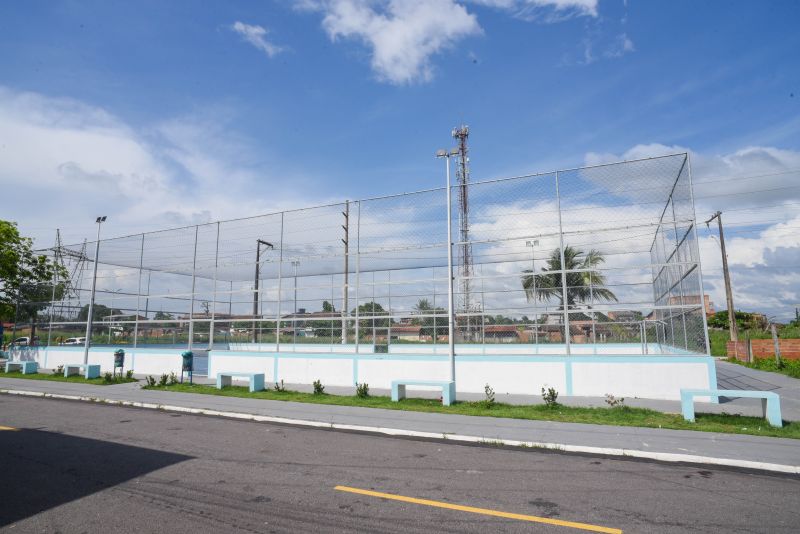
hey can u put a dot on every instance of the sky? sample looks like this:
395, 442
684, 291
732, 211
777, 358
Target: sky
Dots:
162, 114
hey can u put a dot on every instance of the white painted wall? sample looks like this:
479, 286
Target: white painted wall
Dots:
646, 380
142, 361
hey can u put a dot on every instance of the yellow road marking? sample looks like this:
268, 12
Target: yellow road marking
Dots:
483, 511
8, 428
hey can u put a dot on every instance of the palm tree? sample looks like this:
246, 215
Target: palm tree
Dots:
583, 283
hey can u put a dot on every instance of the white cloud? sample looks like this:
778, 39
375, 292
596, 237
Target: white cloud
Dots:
255, 35
71, 161
402, 35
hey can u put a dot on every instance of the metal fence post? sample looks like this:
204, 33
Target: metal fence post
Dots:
564, 292
450, 310
191, 305
699, 266
214, 295
138, 296
358, 270
280, 276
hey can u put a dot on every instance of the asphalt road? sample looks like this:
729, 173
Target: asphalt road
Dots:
78, 467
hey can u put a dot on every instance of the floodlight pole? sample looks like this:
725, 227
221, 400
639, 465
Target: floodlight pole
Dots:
450, 318
259, 242
87, 341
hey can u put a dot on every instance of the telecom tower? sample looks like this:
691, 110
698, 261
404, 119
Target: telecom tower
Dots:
72, 286
461, 134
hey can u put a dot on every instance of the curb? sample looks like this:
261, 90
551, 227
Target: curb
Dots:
584, 449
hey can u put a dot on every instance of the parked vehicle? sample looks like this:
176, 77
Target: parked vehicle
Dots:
24, 341
74, 341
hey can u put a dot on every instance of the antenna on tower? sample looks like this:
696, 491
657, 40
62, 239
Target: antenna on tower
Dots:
72, 286
461, 134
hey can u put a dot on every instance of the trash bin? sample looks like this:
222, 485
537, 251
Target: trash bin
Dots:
188, 360
188, 365
119, 358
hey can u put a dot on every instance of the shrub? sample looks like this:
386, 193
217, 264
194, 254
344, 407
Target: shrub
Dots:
173, 379
108, 377
614, 402
129, 374
163, 380
59, 370
362, 390
550, 396
489, 392
151, 381
279, 387
319, 389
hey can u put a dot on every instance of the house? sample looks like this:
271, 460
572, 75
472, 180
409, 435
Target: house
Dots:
503, 333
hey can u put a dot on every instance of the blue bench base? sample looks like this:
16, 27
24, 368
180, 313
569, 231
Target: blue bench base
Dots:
448, 389
256, 380
770, 402
90, 370
25, 367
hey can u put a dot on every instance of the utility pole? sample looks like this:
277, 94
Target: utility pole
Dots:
345, 288
728, 292
259, 242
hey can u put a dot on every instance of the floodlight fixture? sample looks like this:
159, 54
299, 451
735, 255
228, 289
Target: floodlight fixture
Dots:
101, 219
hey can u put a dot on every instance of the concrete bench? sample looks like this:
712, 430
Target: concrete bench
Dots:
90, 370
770, 402
24, 367
226, 379
448, 389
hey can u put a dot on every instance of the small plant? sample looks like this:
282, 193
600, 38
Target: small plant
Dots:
173, 379
129, 374
108, 377
614, 402
362, 390
319, 389
58, 370
151, 381
162, 382
550, 397
279, 387
489, 392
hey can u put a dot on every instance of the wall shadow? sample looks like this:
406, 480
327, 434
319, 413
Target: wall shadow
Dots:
41, 470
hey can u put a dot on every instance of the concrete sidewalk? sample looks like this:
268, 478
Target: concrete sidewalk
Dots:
773, 454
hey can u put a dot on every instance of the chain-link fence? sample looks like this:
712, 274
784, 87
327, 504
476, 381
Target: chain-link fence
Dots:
600, 259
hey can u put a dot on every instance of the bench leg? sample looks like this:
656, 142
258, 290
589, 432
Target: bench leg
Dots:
223, 381
449, 394
398, 392
68, 370
687, 407
92, 371
772, 411
257, 384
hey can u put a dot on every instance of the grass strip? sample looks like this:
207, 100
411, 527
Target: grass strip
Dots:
100, 381
786, 367
619, 416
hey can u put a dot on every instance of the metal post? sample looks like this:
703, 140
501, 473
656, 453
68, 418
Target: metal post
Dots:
280, 280
533, 244
345, 287
450, 310
389, 328
680, 272
52, 310
433, 277
214, 295
91, 299
699, 267
564, 293
138, 297
358, 268
295, 263
191, 306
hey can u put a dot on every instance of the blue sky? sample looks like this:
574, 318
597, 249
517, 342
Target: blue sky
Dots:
179, 112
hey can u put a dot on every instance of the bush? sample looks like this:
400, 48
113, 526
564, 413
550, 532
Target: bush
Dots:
173, 379
59, 370
362, 390
550, 396
129, 374
319, 389
279, 387
489, 392
151, 381
614, 402
163, 380
108, 377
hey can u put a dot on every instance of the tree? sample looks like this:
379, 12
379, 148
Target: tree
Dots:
327, 307
29, 282
371, 309
583, 283
163, 316
424, 307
